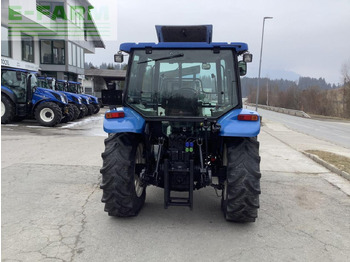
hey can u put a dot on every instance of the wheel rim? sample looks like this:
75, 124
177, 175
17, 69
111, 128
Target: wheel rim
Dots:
138, 160
3, 109
47, 115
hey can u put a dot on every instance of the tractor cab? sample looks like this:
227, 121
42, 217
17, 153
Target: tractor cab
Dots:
19, 82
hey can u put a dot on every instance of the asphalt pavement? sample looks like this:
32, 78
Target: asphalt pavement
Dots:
331, 130
52, 210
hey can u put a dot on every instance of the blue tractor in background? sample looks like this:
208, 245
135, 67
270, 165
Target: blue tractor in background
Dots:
74, 101
94, 105
179, 124
79, 102
22, 98
72, 87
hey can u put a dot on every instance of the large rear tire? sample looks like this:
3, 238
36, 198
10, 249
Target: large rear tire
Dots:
123, 193
7, 110
48, 114
240, 197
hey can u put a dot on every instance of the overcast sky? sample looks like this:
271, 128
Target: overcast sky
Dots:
305, 37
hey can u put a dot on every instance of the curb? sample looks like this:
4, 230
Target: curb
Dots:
328, 165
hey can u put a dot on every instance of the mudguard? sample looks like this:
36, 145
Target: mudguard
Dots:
9, 93
132, 122
232, 127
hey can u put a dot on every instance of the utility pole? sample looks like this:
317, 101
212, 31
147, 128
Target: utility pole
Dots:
261, 49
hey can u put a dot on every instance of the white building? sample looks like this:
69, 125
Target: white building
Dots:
51, 35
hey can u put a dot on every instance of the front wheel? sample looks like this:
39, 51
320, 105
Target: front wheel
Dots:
97, 109
48, 114
240, 197
123, 160
91, 109
76, 111
70, 116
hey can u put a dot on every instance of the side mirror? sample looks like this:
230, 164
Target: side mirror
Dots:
248, 58
118, 58
242, 65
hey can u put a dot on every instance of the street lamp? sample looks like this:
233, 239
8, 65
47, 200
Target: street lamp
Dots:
261, 49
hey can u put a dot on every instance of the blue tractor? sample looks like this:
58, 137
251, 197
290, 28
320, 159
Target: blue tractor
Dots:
179, 124
77, 101
94, 105
72, 87
22, 98
74, 101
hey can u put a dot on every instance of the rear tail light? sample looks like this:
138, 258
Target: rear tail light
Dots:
110, 115
248, 117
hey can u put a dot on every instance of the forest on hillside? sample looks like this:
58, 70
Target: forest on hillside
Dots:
314, 96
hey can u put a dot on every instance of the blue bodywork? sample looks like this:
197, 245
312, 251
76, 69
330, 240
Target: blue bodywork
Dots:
132, 122
239, 47
47, 95
72, 98
9, 93
93, 99
230, 125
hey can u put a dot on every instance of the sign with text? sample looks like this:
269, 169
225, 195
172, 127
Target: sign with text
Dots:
63, 19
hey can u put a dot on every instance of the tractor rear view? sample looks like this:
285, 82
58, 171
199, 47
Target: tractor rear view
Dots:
179, 125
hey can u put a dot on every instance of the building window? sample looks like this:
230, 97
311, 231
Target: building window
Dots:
54, 10
5, 42
74, 55
70, 57
27, 48
78, 56
82, 57
52, 52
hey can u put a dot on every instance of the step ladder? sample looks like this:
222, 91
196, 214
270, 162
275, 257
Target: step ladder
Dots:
177, 201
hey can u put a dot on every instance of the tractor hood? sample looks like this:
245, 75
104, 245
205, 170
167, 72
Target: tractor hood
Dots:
73, 97
45, 94
94, 99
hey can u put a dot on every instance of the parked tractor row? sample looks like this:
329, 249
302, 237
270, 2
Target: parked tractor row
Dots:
26, 94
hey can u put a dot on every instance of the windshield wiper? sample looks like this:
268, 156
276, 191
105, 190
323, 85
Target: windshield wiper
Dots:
162, 58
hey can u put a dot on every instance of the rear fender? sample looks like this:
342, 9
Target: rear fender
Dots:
232, 127
132, 122
9, 93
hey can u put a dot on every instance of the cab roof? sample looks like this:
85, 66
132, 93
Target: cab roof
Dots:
239, 47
